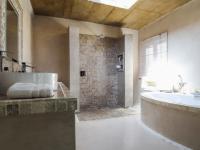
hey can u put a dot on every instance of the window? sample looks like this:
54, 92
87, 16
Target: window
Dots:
153, 54
126, 4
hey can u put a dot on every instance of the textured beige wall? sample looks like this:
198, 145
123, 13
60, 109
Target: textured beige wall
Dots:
85, 27
74, 61
128, 90
128, 52
51, 47
183, 26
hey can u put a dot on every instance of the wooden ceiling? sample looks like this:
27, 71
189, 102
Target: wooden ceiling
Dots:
139, 15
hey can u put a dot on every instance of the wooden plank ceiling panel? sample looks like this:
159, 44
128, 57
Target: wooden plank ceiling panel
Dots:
169, 5
139, 15
81, 9
68, 8
48, 7
115, 18
149, 5
99, 12
138, 18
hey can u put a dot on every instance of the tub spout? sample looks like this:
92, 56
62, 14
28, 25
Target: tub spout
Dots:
180, 85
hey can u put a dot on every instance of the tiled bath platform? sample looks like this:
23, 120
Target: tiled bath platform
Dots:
61, 102
36, 106
38, 124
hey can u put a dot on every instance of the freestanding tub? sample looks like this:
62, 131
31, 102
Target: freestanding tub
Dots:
9, 78
174, 116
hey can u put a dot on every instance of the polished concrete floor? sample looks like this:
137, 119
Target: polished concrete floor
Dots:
123, 133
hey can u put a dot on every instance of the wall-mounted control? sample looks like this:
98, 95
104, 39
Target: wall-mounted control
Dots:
82, 73
6, 69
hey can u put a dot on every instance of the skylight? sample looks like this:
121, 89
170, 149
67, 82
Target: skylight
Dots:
126, 4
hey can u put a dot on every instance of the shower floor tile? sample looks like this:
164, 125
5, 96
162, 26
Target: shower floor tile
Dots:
97, 113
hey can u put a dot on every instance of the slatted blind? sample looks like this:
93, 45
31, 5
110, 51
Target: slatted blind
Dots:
153, 52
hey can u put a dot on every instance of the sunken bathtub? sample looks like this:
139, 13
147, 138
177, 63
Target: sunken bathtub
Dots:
174, 116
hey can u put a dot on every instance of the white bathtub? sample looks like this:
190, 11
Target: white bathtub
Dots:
174, 116
174, 98
9, 78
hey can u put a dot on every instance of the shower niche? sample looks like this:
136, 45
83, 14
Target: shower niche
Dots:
120, 63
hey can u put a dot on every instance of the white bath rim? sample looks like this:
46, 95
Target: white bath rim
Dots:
174, 100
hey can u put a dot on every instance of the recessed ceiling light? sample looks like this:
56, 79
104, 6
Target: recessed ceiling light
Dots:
126, 4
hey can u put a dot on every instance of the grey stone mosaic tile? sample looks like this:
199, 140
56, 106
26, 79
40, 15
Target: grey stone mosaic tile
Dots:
24, 108
61, 106
38, 107
50, 106
72, 106
2, 110
12, 109
2, 24
98, 58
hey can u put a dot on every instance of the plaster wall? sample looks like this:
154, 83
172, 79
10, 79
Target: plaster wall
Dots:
183, 27
51, 46
128, 89
74, 63
84, 27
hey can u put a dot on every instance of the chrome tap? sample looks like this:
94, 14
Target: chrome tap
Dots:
180, 85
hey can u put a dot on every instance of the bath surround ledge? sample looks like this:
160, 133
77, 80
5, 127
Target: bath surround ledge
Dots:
174, 105
175, 116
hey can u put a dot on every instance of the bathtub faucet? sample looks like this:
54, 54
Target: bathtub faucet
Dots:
181, 84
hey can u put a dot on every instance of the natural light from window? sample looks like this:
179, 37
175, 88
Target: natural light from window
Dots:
126, 4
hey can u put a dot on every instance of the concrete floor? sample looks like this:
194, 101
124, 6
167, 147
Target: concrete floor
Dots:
124, 133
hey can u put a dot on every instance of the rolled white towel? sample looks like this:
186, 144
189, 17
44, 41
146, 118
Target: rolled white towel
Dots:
45, 90
29, 90
21, 90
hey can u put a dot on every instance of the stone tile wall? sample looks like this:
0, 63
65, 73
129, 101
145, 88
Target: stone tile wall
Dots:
36, 106
98, 58
62, 101
2, 25
12, 66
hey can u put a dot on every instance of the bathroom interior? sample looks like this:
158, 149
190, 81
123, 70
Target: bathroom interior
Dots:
99, 74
